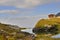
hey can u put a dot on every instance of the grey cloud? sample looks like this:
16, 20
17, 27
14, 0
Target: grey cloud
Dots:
26, 21
9, 11
25, 3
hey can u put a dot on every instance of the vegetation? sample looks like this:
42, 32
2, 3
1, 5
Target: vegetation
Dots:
42, 37
45, 28
43, 22
13, 32
48, 24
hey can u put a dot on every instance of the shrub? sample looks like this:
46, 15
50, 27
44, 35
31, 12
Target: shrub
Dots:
46, 30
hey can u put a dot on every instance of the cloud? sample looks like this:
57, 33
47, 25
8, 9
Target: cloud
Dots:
9, 11
25, 21
25, 3
22, 22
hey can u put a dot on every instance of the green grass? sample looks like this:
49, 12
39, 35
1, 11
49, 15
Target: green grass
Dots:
43, 22
42, 37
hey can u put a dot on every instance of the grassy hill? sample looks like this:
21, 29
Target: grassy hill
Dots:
13, 32
45, 28
48, 22
10, 28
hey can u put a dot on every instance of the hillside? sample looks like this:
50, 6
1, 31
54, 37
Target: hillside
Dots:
47, 26
10, 28
47, 22
13, 32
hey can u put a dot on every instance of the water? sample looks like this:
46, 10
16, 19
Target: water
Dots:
27, 30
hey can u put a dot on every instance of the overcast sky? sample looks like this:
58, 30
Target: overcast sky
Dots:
26, 13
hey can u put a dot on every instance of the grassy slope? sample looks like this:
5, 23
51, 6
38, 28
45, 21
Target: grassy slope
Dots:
49, 22
52, 21
8, 30
42, 37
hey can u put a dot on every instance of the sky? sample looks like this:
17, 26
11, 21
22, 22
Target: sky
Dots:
26, 13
